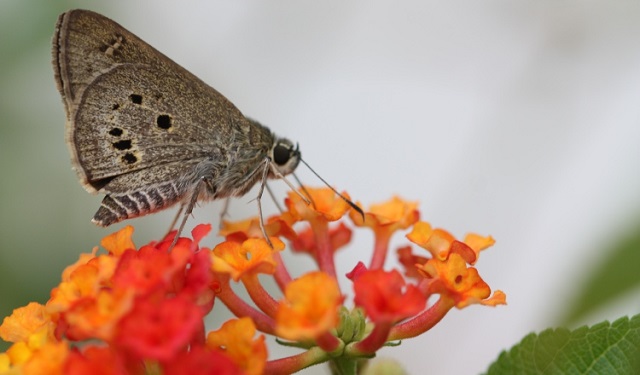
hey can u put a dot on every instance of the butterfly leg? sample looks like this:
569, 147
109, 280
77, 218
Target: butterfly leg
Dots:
175, 219
263, 183
189, 206
279, 175
225, 211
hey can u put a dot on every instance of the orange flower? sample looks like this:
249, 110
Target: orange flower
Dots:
384, 219
82, 279
441, 243
24, 322
139, 311
454, 281
239, 231
310, 307
437, 242
326, 205
116, 243
389, 216
478, 243
253, 256
31, 330
49, 359
235, 339
97, 316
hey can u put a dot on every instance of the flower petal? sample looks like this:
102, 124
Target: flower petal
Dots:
310, 307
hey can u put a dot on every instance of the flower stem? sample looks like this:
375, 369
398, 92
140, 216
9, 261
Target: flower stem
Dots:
240, 308
259, 295
344, 366
421, 323
282, 275
324, 253
328, 342
199, 335
289, 365
374, 341
380, 250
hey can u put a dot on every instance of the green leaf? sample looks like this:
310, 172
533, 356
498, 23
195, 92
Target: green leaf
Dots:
615, 275
604, 348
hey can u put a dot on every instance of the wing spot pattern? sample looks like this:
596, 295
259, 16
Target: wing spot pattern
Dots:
164, 122
110, 49
122, 145
129, 158
135, 98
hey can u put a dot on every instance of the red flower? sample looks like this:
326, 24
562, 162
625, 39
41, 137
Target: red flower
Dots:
201, 361
339, 236
96, 360
385, 296
159, 329
144, 270
409, 261
129, 311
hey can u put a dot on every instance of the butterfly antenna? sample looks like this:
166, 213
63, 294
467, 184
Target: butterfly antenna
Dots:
349, 202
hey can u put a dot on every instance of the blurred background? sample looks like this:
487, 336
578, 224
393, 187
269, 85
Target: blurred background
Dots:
515, 119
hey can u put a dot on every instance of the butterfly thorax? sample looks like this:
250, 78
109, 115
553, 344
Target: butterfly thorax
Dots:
244, 165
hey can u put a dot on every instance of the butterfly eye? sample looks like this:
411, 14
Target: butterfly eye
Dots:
281, 154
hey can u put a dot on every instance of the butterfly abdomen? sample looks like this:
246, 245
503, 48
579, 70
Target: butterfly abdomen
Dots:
118, 207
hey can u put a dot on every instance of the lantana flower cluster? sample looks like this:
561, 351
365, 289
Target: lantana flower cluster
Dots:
130, 310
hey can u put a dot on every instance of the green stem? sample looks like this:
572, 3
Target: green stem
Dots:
344, 366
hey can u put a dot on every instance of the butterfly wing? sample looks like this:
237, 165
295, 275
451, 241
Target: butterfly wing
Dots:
131, 111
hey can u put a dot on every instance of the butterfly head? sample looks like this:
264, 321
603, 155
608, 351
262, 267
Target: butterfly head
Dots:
285, 155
